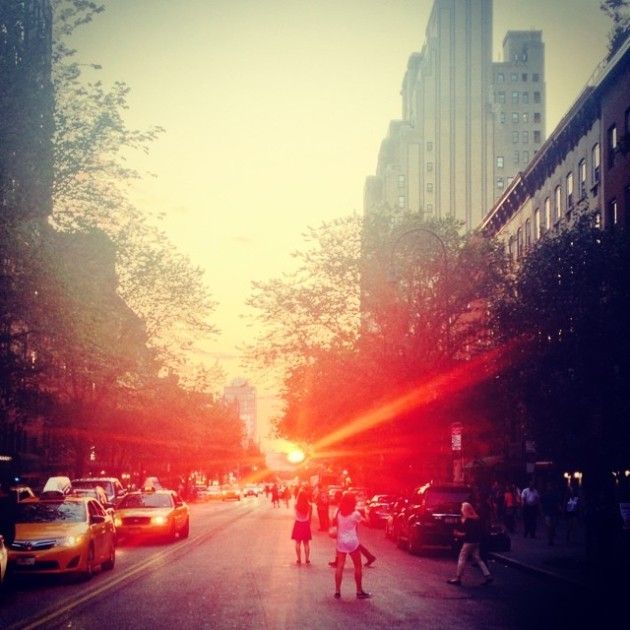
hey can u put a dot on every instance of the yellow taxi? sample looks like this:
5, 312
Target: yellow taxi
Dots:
152, 513
62, 535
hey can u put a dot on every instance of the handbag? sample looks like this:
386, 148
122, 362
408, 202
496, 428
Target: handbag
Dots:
332, 531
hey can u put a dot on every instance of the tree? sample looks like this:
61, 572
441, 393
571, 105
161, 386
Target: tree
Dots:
619, 12
568, 304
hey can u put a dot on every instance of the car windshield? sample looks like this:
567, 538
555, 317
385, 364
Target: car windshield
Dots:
51, 513
448, 501
92, 483
146, 501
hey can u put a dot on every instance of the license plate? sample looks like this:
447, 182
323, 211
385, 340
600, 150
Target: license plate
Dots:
25, 562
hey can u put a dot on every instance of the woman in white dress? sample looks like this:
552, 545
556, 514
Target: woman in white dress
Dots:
348, 518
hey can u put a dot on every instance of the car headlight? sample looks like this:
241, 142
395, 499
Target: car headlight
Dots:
118, 521
69, 541
158, 520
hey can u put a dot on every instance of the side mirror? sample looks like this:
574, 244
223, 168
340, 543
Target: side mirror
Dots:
95, 519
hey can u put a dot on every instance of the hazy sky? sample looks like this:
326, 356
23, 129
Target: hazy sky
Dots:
274, 111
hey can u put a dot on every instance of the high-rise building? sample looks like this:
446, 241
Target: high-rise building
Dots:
454, 149
518, 104
241, 393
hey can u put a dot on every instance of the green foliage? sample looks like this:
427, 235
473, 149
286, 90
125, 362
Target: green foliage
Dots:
568, 304
619, 12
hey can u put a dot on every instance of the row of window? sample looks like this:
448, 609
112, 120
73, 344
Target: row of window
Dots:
517, 158
518, 117
518, 98
523, 137
514, 77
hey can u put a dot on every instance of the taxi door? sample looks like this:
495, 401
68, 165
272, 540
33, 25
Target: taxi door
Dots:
99, 530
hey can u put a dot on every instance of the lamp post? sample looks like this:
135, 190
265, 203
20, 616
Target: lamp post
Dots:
397, 239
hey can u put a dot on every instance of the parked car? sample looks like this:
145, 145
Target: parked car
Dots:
4, 557
67, 535
250, 491
230, 492
152, 513
432, 515
114, 490
378, 508
397, 512
21, 493
214, 493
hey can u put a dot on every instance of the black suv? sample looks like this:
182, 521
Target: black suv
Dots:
433, 512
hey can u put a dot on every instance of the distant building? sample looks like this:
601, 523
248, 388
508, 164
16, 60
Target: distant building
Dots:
584, 166
241, 393
468, 125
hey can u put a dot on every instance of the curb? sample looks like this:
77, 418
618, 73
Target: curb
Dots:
528, 568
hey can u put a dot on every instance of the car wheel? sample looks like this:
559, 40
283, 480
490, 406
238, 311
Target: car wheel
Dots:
89, 564
414, 545
185, 530
108, 565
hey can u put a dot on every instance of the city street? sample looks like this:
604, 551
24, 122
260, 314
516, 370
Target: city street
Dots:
238, 570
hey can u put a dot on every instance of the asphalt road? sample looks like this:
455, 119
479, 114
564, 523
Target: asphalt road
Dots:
238, 570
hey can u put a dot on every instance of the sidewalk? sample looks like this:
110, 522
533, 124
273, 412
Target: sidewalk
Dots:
562, 561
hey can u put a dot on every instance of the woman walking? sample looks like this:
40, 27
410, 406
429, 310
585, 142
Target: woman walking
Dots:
348, 543
471, 531
302, 527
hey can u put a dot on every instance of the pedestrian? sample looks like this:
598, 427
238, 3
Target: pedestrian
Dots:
348, 519
571, 511
370, 558
275, 496
286, 495
471, 533
550, 506
531, 503
302, 527
510, 503
8, 514
322, 509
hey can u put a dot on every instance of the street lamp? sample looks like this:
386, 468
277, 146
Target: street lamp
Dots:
397, 238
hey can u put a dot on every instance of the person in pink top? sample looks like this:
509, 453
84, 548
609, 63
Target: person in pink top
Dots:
348, 518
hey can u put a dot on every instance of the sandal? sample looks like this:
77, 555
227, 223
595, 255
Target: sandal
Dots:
363, 595
337, 595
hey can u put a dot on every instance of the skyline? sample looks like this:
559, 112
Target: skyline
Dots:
275, 114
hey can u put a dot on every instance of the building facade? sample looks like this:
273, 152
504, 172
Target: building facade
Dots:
583, 167
468, 125
243, 395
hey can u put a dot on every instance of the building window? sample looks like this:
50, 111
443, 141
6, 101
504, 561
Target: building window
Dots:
528, 234
501, 97
582, 178
430, 167
613, 213
535, 77
502, 117
500, 77
401, 201
525, 98
429, 146
524, 76
537, 137
429, 207
597, 220
536, 97
514, 77
525, 117
525, 137
500, 183
525, 156
515, 117
595, 158
536, 117
401, 181
537, 226
515, 98
547, 217
429, 187
569, 190
510, 180
612, 145
519, 243
499, 161
510, 247
557, 204
515, 137
515, 158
